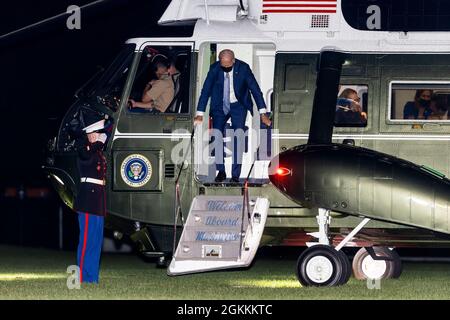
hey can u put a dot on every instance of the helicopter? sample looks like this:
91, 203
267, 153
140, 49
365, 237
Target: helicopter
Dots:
304, 55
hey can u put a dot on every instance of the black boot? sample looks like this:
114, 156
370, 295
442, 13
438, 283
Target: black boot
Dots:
221, 176
234, 180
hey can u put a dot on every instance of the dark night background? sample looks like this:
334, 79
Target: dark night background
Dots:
40, 70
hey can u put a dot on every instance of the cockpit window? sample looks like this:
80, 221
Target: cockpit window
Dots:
113, 79
112, 82
161, 84
419, 101
101, 94
351, 106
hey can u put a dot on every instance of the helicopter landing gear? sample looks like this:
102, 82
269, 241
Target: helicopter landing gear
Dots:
324, 265
376, 263
321, 264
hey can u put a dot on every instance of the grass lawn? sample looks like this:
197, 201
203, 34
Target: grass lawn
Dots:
41, 274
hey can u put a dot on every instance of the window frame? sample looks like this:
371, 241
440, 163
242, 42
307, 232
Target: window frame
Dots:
412, 121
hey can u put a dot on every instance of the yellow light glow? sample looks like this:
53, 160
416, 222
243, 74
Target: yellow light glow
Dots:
267, 283
29, 276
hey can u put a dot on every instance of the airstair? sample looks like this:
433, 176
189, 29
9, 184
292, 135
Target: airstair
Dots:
220, 232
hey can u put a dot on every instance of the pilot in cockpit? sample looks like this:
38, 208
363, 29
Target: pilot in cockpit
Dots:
159, 93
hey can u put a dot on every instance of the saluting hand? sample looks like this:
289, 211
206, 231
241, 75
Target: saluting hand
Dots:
93, 136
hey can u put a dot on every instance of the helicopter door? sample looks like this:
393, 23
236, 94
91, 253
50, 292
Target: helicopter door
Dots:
258, 142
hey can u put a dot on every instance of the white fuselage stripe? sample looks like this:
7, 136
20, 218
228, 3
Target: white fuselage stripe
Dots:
414, 137
283, 136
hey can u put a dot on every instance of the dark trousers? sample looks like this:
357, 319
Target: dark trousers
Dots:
90, 246
238, 115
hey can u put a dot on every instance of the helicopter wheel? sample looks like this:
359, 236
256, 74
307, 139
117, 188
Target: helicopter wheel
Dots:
365, 267
398, 267
347, 267
321, 266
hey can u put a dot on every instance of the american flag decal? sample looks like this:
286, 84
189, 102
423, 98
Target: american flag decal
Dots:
299, 6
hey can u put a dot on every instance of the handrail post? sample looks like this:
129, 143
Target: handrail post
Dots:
177, 199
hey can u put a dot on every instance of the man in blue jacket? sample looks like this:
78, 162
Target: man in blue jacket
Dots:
229, 83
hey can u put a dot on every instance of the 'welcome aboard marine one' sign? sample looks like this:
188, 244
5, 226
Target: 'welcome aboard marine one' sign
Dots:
218, 220
220, 205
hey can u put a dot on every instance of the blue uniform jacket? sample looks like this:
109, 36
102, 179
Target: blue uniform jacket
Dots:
410, 109
244, 83
91, 164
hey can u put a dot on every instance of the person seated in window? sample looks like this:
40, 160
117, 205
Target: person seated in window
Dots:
173, 71
158, 93
348, 108
439, 107
175, 76
419, 108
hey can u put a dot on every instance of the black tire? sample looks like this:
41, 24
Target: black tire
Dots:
398, 267
360, 263
320, 256
396, 263
347, 267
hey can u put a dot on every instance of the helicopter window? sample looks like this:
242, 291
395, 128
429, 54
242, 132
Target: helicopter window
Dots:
351, 106
161, 84
112, 82
419, 101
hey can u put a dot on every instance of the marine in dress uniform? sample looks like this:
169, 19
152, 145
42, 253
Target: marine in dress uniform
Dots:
90, 201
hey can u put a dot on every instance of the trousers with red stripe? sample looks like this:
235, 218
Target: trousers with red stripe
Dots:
90, 246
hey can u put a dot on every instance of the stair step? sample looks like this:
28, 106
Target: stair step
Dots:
209, 251
213, 234
213, 221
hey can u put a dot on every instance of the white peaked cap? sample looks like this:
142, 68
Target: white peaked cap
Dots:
95, 126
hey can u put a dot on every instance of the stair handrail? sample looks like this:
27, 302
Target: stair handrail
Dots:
245, 205
177, 198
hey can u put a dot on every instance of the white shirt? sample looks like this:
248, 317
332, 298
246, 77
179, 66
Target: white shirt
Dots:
233, 98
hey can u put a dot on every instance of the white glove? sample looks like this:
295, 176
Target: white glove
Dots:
102, 138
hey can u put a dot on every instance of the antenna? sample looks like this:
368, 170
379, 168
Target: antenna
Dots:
206, 12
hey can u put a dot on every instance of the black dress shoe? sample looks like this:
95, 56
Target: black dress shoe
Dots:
220, 176
234, 180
